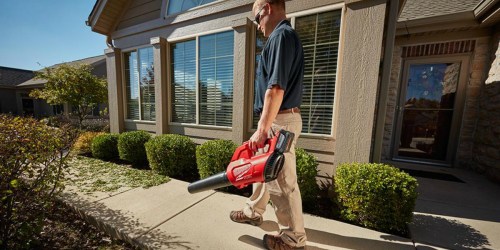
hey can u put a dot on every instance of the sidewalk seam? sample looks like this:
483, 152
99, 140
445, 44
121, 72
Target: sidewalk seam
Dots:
174, 215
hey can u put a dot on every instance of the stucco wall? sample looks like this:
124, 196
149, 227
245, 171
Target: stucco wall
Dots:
486, 147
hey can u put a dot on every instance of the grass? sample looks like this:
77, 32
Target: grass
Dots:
93, 175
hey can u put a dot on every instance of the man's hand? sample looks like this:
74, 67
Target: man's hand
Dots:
257, 140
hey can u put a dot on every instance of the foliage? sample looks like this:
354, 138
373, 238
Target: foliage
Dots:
105, 146
131, 147
72, 84
307, 169
91, 175
212, 157
84, 142
172, 155
32, 160
376, 196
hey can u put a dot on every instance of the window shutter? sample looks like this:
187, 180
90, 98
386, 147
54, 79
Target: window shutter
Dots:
184, 82
216, 64
319, 34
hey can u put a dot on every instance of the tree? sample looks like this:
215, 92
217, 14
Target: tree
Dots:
72, 84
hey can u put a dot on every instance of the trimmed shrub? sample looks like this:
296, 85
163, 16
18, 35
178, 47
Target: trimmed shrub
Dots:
307, 169
376, 196
84, 142
172, 155
212, 157
105, 146
131, 147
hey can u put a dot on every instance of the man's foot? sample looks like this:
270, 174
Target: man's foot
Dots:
240, 217
275, 242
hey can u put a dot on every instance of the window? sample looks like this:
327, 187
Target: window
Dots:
319, 34
202, 92
139, 77
176, 6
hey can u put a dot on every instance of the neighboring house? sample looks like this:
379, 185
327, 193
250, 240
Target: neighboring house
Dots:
19, 102
9, 102
176, 67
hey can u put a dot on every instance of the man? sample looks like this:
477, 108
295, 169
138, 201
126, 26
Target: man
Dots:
278, 91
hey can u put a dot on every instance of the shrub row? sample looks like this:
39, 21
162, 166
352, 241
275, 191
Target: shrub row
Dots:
375, 196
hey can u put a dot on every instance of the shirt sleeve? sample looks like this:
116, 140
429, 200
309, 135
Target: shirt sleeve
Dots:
280, 61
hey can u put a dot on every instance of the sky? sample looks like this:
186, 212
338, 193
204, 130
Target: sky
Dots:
39, 33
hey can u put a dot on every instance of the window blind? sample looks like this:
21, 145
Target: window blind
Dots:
184, 82
132, 86
147, 84
139, 81
319, 34
216, 79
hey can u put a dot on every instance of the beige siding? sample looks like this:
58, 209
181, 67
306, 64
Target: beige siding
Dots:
140, 11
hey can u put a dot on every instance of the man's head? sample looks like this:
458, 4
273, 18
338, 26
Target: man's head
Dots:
268, 13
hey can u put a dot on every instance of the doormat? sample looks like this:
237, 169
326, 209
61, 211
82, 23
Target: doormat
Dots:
432, 175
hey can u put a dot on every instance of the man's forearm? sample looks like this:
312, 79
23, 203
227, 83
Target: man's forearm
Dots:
272, 103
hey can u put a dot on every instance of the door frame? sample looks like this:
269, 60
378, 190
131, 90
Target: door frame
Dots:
458, 108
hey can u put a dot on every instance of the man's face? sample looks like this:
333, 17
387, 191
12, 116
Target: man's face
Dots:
261, 14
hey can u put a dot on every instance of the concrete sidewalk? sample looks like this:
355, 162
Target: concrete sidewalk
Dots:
448, 215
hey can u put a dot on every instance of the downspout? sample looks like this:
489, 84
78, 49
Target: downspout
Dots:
390, 33
109, 42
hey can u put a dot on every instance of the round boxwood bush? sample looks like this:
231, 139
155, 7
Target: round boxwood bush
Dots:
172, 155
212, 157
376, 196
307, 169
105, 146
131, 147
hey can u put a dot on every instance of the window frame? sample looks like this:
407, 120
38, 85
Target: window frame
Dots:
166, 3
124, 85
293, 16
197, 77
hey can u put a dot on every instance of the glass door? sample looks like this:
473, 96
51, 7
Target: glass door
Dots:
429, 111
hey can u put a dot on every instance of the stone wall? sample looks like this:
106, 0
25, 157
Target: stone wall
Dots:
486, 147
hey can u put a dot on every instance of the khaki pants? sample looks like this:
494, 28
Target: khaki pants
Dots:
284, 191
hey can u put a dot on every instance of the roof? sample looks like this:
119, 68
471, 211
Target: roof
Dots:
14, 77
418, 9
92, 61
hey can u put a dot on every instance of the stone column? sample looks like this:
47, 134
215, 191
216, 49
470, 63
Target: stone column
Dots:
241, 84
161, 84
115, 89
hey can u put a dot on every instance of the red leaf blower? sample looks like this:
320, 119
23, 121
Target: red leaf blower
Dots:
247, 168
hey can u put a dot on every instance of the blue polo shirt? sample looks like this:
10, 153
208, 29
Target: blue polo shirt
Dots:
281, 63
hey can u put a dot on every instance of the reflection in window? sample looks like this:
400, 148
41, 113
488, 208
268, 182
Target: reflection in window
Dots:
139, 78
428, 110
184, 82
176, 6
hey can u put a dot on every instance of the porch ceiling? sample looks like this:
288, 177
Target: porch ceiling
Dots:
105, 15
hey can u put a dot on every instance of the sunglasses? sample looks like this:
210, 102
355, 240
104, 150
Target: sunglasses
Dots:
257, 17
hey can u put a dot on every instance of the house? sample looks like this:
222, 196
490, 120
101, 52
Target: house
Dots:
16, 99
185, 68
9, 101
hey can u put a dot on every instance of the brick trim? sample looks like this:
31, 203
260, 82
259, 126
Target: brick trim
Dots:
448, 48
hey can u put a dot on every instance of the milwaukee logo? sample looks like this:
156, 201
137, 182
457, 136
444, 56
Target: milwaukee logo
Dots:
241, 171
